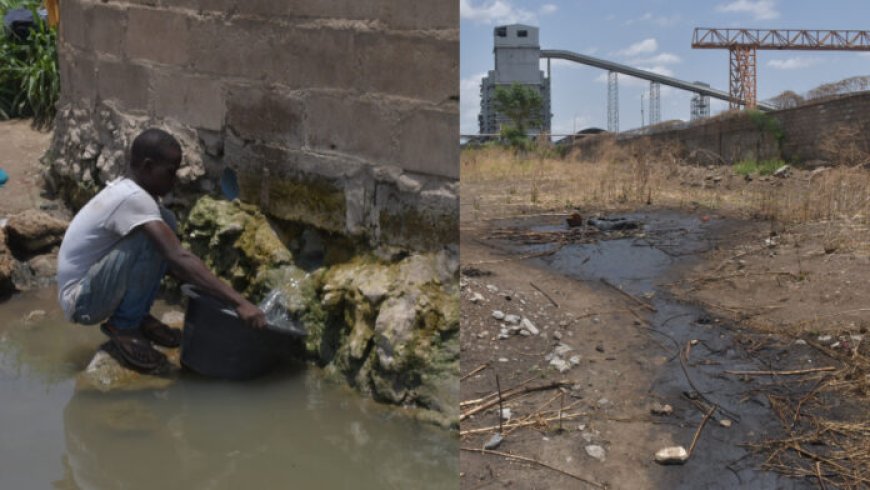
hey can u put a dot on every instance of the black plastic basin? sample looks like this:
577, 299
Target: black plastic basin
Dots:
218, 344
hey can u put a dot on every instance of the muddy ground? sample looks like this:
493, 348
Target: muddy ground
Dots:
706, 293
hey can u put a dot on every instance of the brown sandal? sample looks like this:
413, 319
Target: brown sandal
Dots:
135, 351
160, 333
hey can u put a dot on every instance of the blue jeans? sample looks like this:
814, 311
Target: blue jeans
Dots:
122, 286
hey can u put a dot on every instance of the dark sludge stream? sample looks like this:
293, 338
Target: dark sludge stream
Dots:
641, 263
290, 429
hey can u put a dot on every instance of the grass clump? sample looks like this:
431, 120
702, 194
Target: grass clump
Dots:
754, 167
29, 75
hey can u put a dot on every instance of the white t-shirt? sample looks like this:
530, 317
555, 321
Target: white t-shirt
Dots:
94, 231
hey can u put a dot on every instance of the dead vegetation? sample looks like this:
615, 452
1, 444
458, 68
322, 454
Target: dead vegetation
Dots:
621, 177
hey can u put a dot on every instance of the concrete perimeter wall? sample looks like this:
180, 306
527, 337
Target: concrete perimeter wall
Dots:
798, 135
340, 114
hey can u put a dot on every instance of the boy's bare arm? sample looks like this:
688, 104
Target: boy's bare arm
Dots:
189, 268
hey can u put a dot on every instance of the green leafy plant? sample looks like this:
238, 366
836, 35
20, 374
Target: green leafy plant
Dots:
763, 167
29, 77
522, 105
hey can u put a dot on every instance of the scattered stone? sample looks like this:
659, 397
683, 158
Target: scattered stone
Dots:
560, 364
557, 335
825, 338
530, 327
581, 426
596, 452
603, 401
694, 341
512, 319
725, 423
476, 298
502, 359
562, 349
498, 314
672, 455
574, 360
599, 348
563, 323
525, 333
494, 441
33, 231
491, 288
506, 414
800, 342
659, 409
34, 316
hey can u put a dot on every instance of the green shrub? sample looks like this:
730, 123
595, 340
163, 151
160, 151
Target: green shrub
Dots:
764, 167
29, 78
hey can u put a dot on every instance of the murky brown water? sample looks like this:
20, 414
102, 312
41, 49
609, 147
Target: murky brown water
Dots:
289, 430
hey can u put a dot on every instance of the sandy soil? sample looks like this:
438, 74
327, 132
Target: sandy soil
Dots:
20, 150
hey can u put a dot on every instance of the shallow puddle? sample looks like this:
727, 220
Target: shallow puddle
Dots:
639, 265
291, 429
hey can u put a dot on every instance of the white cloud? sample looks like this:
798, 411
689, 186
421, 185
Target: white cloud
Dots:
760, 9
659, 20
469, 103
659, 59
794, 63
649, 45
494, 12
548, 9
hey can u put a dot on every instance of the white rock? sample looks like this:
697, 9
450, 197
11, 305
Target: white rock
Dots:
603, 401
491, 288
503, 359
800, 342
575, 360
725, 423
506, 414
825, 338
557, 335
512, 319
672, 455
596, 452
525, 333
494, 441
530, 327
659, 409
476, 298
562, 349
560, 364
498, 314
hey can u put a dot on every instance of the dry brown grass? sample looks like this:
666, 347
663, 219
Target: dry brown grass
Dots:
500, 183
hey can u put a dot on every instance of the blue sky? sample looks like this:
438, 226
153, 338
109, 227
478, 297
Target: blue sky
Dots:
655, 35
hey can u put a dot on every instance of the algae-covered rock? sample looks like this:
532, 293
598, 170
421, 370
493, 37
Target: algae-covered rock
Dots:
392, 331
236, 241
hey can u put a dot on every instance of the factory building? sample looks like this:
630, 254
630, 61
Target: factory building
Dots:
517, 60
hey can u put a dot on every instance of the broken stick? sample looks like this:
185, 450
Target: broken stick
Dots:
535, 461
545, 294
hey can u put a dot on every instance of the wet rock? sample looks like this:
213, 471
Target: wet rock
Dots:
659, 409
33, 231
672, 455
597, 452
105, 373
8, 264
174, 318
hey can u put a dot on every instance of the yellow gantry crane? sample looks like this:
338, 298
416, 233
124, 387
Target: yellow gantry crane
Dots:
743, 43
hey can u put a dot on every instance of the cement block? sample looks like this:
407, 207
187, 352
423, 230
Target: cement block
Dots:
194, 100
241, 48
346, 124
434, 14
269, 116
426, 69
158, 35
74, 28
106, 28
125, 82
429, 143
78, 78
315, 58
422, 221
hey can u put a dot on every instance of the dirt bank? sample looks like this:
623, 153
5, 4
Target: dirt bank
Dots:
760, 292
21, 148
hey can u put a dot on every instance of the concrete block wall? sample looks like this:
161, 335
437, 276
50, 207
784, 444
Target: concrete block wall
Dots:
347, 101
737, 137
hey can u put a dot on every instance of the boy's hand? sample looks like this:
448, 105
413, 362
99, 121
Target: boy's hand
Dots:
251, 315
